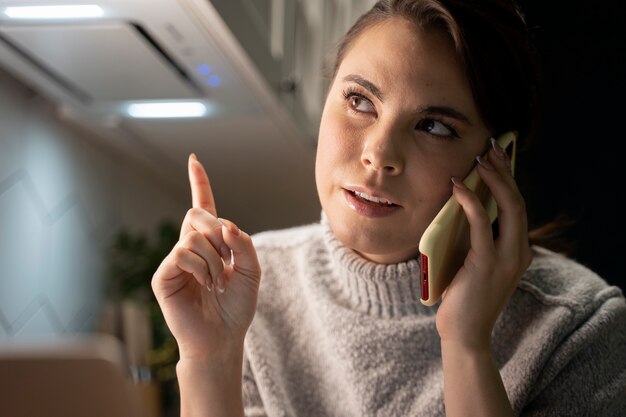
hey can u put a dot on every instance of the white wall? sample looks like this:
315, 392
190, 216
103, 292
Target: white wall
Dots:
62, 198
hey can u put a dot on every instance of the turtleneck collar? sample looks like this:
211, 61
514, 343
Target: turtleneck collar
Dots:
383, 290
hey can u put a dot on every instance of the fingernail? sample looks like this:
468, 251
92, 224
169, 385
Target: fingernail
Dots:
220, 283
458, 183
226, 255
484, 163
498, 149
208, 284
193, 157
232, 228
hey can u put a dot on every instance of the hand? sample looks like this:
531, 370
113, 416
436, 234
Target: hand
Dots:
492, 269
208, 303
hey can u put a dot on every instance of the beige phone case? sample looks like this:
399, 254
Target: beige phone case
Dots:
445, 243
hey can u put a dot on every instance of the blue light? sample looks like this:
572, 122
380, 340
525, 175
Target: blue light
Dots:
214, 81
204, 69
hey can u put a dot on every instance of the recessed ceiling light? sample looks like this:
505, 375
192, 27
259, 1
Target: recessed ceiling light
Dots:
54, 12
166, 110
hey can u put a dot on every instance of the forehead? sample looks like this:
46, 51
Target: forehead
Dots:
396, 51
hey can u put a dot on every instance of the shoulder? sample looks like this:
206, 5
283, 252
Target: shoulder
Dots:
554, 279
574, 324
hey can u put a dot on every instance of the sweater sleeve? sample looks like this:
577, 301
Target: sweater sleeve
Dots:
586, 375
252, 403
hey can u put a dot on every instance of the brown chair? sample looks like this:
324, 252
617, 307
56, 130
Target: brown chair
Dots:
78, 377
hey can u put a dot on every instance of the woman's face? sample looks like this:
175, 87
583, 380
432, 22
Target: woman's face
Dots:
399, 121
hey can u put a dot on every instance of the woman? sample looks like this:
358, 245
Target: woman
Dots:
338, 327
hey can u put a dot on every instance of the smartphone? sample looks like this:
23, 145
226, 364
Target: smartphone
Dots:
446, 242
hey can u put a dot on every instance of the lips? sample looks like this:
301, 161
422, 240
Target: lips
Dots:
369, 204
375, 200
370, 196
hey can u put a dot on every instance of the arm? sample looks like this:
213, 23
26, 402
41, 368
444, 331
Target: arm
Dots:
213, 388
218, 389
479, 292
472, 383
207, 289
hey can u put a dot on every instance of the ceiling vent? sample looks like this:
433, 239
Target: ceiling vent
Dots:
88, 61
138, 51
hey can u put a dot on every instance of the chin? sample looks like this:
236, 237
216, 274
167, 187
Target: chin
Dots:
377, 244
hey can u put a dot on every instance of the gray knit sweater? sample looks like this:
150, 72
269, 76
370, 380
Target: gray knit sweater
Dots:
336, 335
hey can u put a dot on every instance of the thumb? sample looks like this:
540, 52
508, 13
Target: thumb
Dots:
244, 254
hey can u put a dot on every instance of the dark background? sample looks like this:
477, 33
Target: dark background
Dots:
577, 165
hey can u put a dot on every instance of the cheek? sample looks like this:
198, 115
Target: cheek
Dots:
432, 179
457, 163
324, 156
334, 148
334, 137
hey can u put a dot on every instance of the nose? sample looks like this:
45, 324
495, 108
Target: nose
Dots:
381, 153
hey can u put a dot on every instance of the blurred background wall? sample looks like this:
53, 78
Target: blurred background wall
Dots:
62, 196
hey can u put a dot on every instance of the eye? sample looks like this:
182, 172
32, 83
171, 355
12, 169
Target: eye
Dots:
436, 128
358, 102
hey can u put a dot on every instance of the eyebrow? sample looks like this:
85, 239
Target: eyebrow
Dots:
443, 111
422, 110
368, 85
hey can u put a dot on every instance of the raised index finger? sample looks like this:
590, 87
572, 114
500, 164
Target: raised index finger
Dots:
201, 193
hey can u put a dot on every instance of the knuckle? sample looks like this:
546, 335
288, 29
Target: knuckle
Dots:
194, 238
206, 268
178, 255
187, 221
202, 219
484, 220
190, 213
194, 212
518, 206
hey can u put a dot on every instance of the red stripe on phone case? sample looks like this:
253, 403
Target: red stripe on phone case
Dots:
424, 268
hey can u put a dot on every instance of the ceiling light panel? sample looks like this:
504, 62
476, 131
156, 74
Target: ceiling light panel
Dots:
54, 12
